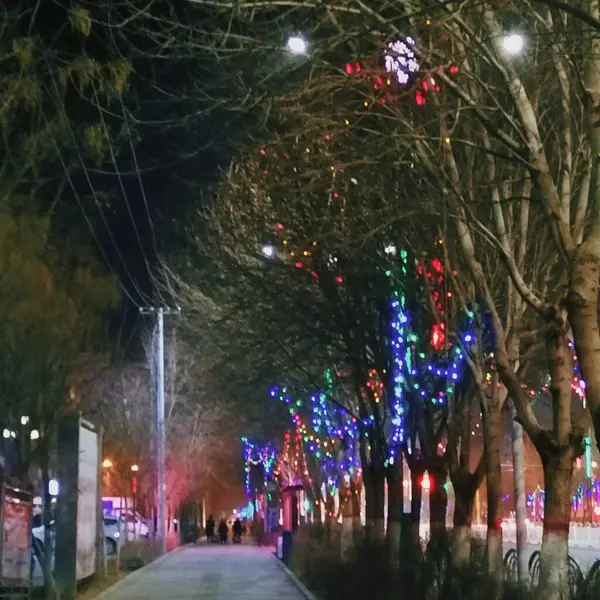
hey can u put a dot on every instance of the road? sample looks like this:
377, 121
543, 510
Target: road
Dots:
210, 573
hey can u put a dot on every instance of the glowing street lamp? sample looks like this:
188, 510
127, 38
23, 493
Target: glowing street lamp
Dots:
135, 468
513, 43
53, 487
107, 464
268, 251
297, 45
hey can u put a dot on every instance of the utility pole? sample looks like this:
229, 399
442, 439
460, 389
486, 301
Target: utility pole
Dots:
161, 484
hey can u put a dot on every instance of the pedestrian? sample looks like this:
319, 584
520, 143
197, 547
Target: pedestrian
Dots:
260, 531
237, 532
210, 529
223, 531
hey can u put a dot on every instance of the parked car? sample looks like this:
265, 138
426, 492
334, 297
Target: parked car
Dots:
112, 537
133, 525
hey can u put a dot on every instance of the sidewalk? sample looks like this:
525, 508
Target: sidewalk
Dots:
211, 573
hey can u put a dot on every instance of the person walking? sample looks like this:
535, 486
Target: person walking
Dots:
210, 529
223, 531
237, 532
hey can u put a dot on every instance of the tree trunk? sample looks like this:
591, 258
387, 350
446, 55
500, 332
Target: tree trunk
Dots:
416, 473
47, 558
329, 517
357, 528
375, 502
520, 497
558, 477
317, 517
464, 499
394, 514
585, 270
438, 500
347, 525
493, 433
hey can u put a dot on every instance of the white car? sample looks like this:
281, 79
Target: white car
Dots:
111, 539
132, 524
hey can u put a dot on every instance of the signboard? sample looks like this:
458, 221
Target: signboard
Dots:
87, 502
16, 537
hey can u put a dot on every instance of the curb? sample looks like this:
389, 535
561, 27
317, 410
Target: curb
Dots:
301, 587
133, 576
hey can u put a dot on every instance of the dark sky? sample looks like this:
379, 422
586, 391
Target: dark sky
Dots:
169, 153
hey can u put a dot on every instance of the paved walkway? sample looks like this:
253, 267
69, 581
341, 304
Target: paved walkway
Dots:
211, 573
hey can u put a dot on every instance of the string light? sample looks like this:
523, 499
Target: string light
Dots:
255, 455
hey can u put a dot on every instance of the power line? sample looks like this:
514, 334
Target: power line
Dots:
123, 190
137, 171
88, 221
82, 162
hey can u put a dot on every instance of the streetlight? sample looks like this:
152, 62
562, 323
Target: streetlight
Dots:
53, 487
513, 43
35, 434
135, 468
268, 251
107, 464
297, 45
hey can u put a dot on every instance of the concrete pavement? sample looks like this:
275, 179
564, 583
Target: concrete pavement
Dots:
210, 573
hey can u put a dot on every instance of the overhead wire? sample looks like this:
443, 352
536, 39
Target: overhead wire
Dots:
93, 191
143, 193
89, 222
137, 171
124, 192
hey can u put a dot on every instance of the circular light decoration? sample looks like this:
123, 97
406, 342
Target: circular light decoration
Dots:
400, 59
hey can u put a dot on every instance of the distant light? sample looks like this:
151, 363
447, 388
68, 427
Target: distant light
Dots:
135, 468
35, 434
6, 434
24, 420
235, 512
597, 510
53, 487
268, 251
297, 45
107, 464
513, 43
116, 535
390, 249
